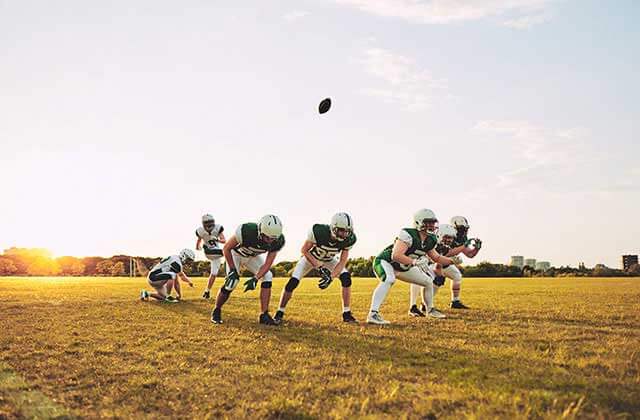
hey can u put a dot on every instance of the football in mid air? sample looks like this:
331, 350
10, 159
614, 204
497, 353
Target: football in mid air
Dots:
324, 106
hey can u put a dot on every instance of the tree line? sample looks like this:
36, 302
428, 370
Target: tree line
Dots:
39, 262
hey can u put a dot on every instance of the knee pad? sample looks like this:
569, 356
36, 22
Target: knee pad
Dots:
345, 279
291, 284
265, 285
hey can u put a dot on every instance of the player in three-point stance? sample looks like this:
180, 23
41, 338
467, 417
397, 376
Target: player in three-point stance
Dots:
320, 251
166, 275
452, 241
406, 259
244, 249
209, 237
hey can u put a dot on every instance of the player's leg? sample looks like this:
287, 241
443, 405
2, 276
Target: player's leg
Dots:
438, 282
416, 276
415, 291
456, 283
215, 267
301, 269
159, 282
254, 264
385, 273
226, 289
345, 281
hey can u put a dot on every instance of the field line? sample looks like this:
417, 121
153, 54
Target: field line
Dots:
30, 403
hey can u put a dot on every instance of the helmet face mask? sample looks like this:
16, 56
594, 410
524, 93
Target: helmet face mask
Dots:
208, 222
446, 234
341, 226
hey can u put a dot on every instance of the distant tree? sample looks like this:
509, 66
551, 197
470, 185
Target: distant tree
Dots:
7, 267
91, 265
43, 266
117, 269
104, 268
71, 266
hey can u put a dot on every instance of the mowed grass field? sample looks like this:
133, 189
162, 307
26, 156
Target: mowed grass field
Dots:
529, 348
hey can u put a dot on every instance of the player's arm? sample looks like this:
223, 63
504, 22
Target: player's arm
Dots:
306, 247
221, 238
226, 251
456, 251
199, 244
184, 278
271, 256
344, 257
397, 253
470, 252
440, 259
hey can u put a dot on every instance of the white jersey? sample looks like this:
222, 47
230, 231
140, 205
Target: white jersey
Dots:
209, 239
171, 264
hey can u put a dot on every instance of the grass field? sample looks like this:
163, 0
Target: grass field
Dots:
530, 348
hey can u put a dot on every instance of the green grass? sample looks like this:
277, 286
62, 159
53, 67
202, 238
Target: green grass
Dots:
530, 348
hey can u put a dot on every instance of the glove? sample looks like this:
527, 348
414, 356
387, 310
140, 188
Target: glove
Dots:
439, 281
250, 284
422, 263
478, 243
467, 243
231, 280
325, 278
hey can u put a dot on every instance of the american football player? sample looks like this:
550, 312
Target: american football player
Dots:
244, 249
319, 252
406, 259
165, 275
210, 235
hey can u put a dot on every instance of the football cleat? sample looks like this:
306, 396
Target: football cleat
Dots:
414, 311
216, 316
374, 317
279, 316
423, 308
434, 313
266, 319
144, 295
206, 294
348, 317
171, 299
456, 304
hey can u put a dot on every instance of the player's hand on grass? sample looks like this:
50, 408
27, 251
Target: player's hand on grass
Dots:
250, 284
325, 278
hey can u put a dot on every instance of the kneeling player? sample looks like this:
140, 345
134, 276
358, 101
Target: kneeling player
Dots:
319, 251
407, 260
165, 275
244, 249
209, 236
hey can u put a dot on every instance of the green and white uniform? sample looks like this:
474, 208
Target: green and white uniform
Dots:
388, 270
250, 247
210, 246
325, 249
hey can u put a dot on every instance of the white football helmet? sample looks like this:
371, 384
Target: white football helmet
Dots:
425, 219
187, 255
460, 223
270, 226
446, 234
208, 222
341, 226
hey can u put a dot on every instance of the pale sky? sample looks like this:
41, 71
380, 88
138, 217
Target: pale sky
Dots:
122, 122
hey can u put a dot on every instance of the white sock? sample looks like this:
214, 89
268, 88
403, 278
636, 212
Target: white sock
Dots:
379, 295
346, 309
414, 291
455, 299
427, 296
281, 309
207, 290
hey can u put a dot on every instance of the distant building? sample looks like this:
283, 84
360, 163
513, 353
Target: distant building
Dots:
531, 262
543, 265
517, 260
628, 261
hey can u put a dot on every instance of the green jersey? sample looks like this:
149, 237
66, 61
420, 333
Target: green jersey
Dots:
325, 245
250, 244
417, 248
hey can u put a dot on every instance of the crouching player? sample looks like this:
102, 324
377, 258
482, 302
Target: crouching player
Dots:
319, 251
407, 260
452, 241
165, 275
209, 236
244, 249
